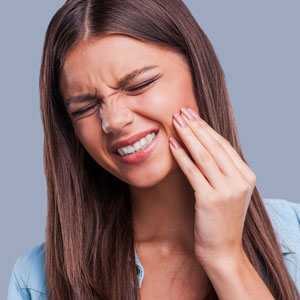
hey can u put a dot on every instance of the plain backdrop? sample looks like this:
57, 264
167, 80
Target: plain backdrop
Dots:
258, 45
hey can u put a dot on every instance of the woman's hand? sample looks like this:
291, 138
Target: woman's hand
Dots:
223, 184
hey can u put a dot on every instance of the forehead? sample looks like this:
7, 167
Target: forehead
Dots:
105, 59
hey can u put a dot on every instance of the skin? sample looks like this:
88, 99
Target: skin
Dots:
189, 203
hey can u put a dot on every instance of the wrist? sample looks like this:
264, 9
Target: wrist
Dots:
228, 263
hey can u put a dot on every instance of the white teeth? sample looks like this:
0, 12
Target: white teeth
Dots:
130, 149
137, 145
148, 137
121, 151
142, 143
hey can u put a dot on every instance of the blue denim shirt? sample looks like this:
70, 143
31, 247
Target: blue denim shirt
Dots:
27, 279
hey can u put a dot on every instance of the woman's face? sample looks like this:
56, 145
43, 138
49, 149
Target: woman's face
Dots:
97, 66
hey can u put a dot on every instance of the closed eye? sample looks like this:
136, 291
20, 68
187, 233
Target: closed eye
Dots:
81, 111
140, 87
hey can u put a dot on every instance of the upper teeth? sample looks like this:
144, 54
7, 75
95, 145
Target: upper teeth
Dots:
142, 143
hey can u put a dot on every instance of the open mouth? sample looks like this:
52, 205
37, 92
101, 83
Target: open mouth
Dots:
131, 149
142, 153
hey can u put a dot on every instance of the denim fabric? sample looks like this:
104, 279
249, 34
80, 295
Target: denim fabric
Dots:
27, 279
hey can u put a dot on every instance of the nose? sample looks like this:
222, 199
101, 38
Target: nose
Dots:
115, 115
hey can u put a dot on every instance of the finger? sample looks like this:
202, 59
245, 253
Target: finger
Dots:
190, 170
200, 129
202, 158
232, 153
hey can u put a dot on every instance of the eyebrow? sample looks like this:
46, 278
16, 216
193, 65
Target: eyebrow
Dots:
120, 84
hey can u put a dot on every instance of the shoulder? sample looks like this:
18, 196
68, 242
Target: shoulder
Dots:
284, 210
285, 218
28, 275
283, 205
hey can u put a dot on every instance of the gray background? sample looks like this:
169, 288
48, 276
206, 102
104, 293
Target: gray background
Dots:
258, 45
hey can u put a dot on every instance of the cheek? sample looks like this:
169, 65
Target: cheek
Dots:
161, 101
89, 134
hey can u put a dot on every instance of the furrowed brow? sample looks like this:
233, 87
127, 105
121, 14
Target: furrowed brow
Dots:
129, 77
121, 84
81, 98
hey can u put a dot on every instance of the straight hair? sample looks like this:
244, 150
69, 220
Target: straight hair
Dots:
89, 240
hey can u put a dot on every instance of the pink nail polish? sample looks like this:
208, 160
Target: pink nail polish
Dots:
174, 143
185, 112
179, 120
194, 114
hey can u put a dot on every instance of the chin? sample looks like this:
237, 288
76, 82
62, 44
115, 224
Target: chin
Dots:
150, 176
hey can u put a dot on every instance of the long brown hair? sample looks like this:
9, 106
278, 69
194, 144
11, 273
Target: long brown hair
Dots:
89, 244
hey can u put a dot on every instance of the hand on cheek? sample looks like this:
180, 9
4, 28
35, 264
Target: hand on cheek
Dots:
222, 183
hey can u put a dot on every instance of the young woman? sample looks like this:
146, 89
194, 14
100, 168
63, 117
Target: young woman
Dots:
149, 193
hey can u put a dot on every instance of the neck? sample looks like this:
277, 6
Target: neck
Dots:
163, 215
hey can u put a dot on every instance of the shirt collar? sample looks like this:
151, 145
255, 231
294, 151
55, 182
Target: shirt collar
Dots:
285, 245
283, 232
283, 223
140, 268
285, 238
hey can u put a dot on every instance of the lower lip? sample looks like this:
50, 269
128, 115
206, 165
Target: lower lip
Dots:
140, 155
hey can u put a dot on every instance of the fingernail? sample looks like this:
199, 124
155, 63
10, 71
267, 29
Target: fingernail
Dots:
185, 112
194, 114
174, 143
179, 120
